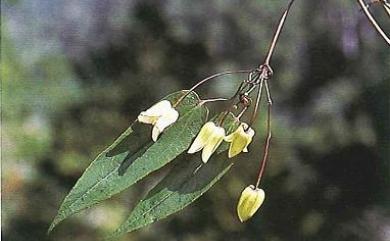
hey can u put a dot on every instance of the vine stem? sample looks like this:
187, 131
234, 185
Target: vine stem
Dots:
266, 75
373, 21
266, 147
277, 34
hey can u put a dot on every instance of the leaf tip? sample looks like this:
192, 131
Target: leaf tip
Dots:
57, 219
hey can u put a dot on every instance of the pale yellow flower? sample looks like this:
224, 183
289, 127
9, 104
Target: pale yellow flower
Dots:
208, 139
240, 139
250, 201
160, 115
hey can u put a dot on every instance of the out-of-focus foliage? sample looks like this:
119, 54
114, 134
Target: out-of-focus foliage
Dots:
75, 74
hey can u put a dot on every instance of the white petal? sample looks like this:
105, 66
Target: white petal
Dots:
167, 119
159, 108
155, 133
163, 122
250, 132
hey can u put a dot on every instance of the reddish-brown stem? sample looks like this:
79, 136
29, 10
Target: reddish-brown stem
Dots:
266, 75
266, 146
277, 34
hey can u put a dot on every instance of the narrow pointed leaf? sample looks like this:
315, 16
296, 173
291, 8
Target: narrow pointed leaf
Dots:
133, 156
185, 183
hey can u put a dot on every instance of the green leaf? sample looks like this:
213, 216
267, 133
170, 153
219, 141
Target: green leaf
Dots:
133, 156
185, 183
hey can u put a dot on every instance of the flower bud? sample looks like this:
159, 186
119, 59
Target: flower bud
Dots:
250, 200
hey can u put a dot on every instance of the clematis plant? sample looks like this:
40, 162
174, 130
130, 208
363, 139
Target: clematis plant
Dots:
180, 124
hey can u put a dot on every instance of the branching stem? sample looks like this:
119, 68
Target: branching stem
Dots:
265, 76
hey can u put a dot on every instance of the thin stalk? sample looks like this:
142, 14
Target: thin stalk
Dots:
207, 79
212, 100
277, 33
266, 146
268, 92
256, 108
266, 75
242, 112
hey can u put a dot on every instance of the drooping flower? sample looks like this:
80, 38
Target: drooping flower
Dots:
208, 139
250, 201
160, 115
240, 139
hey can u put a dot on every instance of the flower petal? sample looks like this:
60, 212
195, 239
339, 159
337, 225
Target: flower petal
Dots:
237, 146
250, 133
159, 108
167, 119
161, 115
250, 201
213, 142
200, 140
155, 133
240, 139
151, 115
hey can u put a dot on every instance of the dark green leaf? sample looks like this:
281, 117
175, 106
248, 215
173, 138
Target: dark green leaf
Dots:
185, 183
133, 156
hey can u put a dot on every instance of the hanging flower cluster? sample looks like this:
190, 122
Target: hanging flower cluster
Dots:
162, 115
236, 134
212, 134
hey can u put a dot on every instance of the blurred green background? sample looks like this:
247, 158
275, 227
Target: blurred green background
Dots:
75, 74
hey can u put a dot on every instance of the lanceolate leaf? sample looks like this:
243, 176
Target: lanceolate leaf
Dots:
185, 183
133, 156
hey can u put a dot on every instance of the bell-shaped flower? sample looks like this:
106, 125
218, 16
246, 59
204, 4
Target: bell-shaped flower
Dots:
250, 201
240, 139
208, 139
160, 115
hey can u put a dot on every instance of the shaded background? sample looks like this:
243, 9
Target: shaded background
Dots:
76, 73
